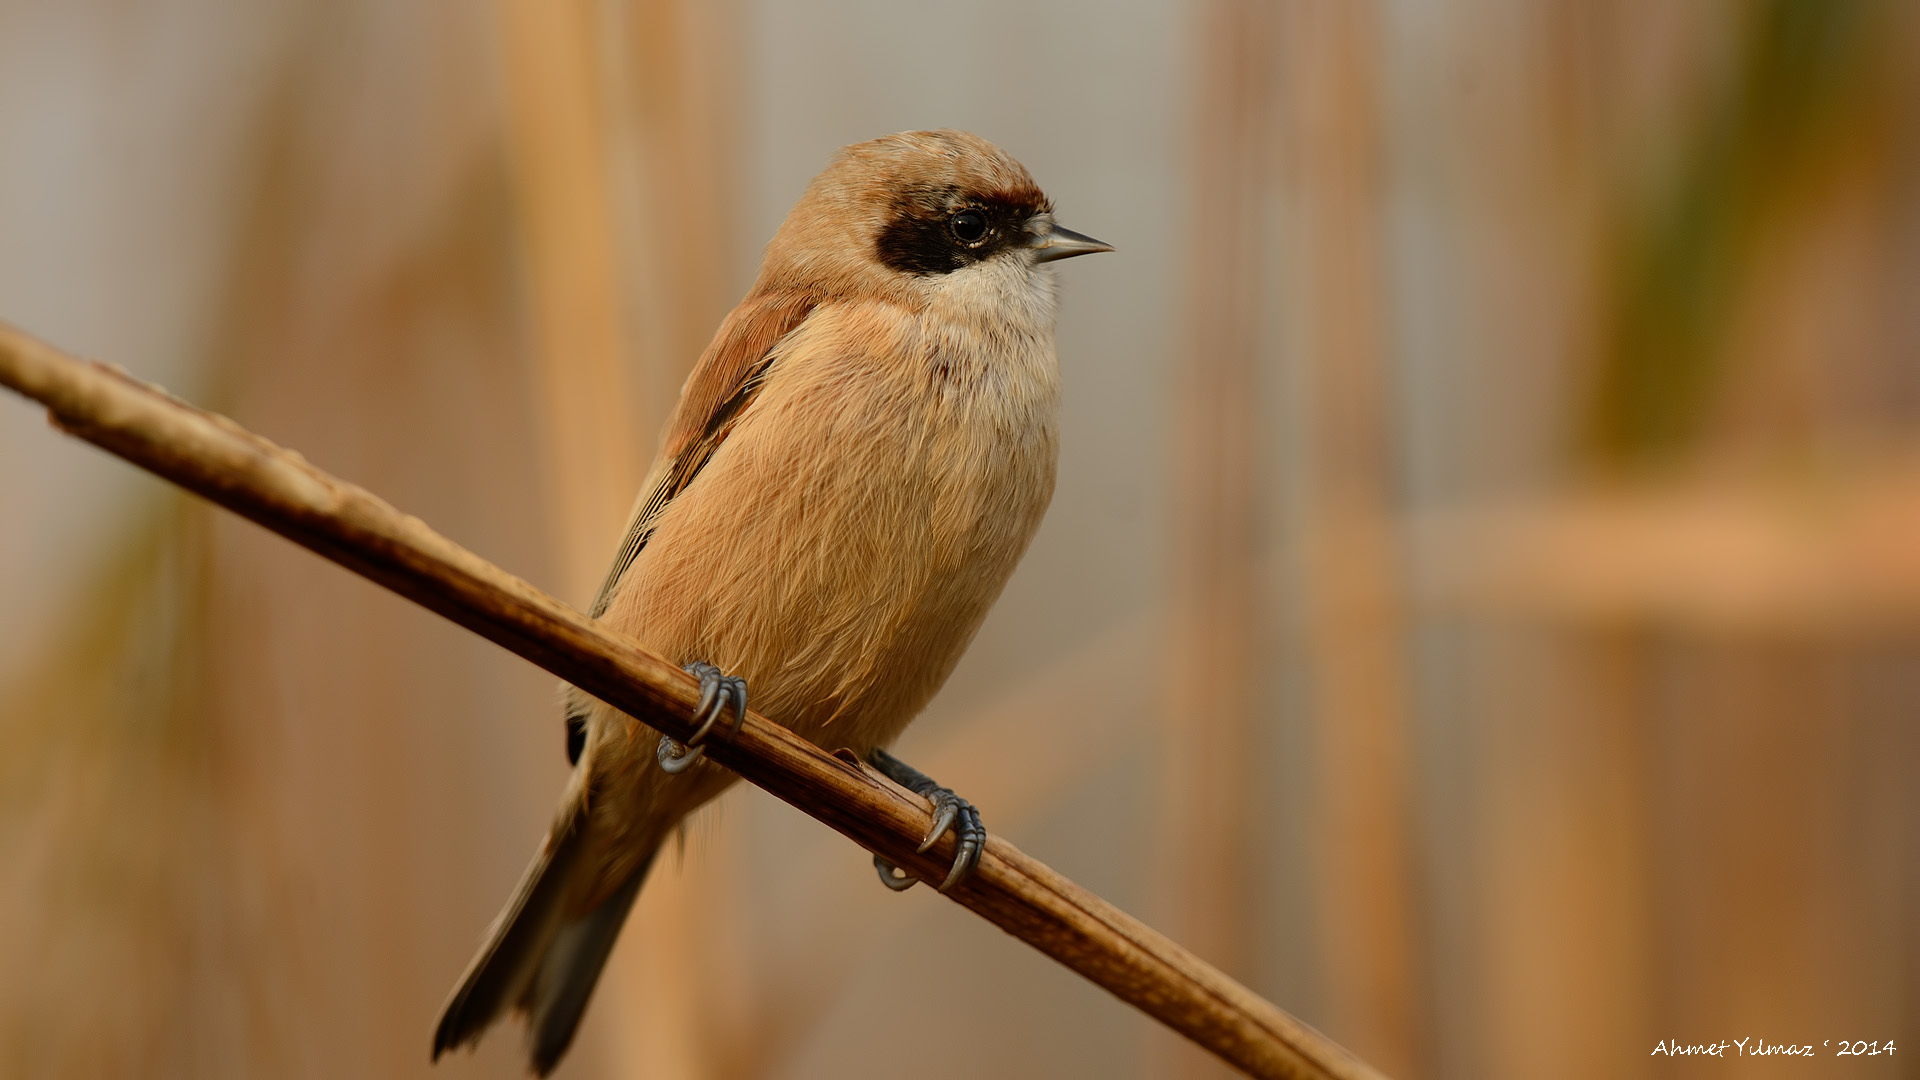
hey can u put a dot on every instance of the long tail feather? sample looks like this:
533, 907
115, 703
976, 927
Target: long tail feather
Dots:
538, 959
557, 997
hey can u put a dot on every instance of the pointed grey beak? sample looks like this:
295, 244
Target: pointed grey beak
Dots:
1060, 243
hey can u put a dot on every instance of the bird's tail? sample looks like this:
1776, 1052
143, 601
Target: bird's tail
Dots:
542, 958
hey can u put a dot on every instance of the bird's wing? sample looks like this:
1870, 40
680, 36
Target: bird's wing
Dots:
727, 377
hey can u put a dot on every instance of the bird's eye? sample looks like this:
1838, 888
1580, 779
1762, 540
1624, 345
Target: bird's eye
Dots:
969, 226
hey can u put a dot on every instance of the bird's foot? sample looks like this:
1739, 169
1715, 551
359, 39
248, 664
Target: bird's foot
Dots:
718, 692
950, 811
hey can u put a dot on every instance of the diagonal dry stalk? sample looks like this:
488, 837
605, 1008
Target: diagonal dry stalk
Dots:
216, 458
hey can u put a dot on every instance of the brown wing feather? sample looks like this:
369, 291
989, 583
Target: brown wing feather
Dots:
722, 384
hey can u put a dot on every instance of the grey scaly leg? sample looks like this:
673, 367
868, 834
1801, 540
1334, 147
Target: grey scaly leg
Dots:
950, 811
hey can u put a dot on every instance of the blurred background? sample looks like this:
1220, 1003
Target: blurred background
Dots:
1480, 609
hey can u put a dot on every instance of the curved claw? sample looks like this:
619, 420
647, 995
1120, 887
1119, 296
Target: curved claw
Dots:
892, 876
944, 811
972, 841
675, 757
713, 699
710, 688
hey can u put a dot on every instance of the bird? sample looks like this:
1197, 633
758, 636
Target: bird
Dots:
857, 462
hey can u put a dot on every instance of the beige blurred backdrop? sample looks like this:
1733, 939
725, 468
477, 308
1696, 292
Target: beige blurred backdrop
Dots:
1480, 609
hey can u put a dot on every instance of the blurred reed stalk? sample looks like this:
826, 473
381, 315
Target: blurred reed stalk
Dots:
558, 154
1208, 815
1286, 118
1346, 565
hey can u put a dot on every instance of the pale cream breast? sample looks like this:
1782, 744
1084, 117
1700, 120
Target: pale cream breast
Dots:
844, 592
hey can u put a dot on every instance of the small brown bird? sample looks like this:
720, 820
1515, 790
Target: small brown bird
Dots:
856, 464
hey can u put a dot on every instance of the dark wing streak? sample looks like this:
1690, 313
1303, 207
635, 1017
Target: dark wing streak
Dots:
679, 473
638, 530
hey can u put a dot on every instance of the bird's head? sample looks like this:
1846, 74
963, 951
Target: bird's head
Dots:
919, 215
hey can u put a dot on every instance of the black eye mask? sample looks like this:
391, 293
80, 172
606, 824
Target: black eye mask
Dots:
940, 230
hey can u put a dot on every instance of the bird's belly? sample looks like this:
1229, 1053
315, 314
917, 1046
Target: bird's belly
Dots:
843, 594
